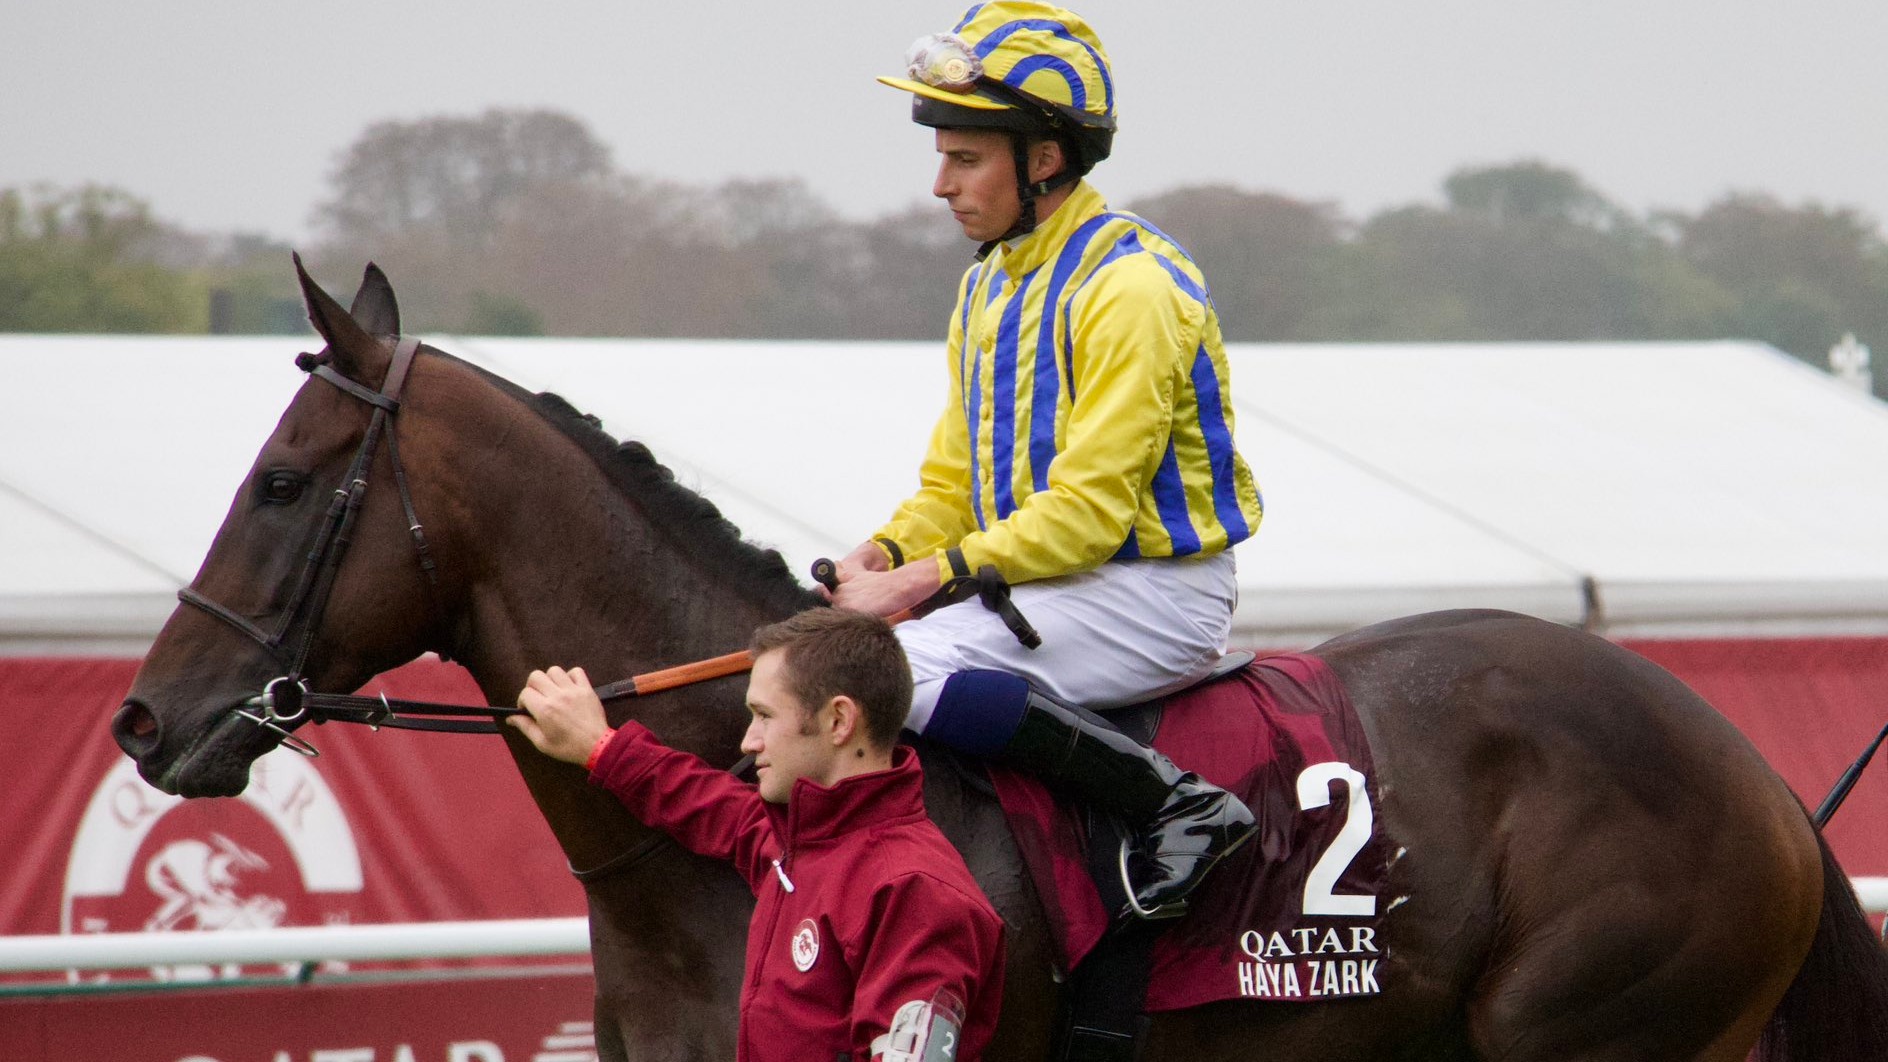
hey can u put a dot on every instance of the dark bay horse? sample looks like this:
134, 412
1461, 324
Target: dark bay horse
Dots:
1598, 866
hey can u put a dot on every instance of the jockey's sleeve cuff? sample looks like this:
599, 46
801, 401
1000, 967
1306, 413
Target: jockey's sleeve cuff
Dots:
596, 750
893, 554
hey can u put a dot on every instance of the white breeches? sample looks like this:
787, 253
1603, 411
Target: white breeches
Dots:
1123, 633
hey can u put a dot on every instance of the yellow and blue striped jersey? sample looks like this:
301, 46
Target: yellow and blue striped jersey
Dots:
1091, 416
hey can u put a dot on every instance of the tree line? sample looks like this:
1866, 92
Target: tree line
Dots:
520, 222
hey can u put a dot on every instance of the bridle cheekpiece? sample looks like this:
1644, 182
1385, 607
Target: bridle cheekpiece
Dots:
285, 699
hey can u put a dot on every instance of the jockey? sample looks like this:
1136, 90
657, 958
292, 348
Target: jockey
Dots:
1086, 451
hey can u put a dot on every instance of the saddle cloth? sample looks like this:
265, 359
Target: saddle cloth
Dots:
1292, 915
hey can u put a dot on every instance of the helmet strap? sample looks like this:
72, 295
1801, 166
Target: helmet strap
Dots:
1027, 192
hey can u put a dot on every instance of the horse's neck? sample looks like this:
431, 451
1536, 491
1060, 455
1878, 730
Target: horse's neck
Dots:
571, 571
612, 595
599, 612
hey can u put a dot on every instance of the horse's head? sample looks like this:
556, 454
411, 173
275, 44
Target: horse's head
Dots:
313, 580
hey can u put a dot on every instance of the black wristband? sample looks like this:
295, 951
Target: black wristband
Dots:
960, 568
897, 555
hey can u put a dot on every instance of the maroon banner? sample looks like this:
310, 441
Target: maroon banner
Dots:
386, 826
383, 827
1810, 705
511, 1019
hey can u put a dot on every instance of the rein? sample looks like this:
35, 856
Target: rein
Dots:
292, 702
384, 711
398, 714
286, 701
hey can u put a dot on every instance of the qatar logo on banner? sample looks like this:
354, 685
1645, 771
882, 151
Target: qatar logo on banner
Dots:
282, 853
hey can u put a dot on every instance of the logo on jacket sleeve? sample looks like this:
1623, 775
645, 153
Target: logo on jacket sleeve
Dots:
805, 945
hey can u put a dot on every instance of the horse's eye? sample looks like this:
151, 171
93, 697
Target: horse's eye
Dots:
281, 488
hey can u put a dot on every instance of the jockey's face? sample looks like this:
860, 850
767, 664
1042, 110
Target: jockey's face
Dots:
787, 741
976, 175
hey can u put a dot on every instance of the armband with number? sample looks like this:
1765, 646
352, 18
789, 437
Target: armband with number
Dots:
923, 1031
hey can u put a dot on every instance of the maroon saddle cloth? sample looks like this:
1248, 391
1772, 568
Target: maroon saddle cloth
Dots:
1292, 915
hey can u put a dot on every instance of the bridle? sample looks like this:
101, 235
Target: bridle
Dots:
285, 698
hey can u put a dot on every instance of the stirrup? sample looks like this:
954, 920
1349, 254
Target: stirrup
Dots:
1165, 911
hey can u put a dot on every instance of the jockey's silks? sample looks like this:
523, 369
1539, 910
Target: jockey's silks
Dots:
1091, 409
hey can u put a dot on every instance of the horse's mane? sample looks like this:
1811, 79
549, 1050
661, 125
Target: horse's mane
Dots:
690, 522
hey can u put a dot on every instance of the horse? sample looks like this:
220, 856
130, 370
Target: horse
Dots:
1596, 864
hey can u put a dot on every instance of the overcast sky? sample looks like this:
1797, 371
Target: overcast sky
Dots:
229, 114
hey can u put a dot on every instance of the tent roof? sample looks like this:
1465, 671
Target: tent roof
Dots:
1644, 489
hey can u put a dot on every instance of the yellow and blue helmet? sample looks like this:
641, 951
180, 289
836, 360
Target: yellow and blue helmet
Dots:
1026, 67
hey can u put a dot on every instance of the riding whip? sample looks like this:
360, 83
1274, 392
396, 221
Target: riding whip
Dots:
1847, 782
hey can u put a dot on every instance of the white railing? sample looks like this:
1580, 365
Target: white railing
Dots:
368, 943
298, 944
1873, 892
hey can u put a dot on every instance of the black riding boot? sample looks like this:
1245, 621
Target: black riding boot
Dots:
1181, 823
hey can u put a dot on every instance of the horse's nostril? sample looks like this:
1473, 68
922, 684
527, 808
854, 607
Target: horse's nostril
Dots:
135, 729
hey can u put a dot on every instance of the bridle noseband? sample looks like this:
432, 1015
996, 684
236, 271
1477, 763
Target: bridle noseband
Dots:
285, 698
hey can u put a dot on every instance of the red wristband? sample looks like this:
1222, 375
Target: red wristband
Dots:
596, 751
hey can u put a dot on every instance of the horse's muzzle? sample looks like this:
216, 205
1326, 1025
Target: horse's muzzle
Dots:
215, 763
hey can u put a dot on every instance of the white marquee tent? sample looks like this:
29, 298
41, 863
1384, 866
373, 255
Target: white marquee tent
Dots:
1640, 489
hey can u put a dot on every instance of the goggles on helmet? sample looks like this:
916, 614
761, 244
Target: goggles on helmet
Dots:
945, 61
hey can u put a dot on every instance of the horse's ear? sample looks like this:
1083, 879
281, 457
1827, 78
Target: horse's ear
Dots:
349, 345
374, 307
